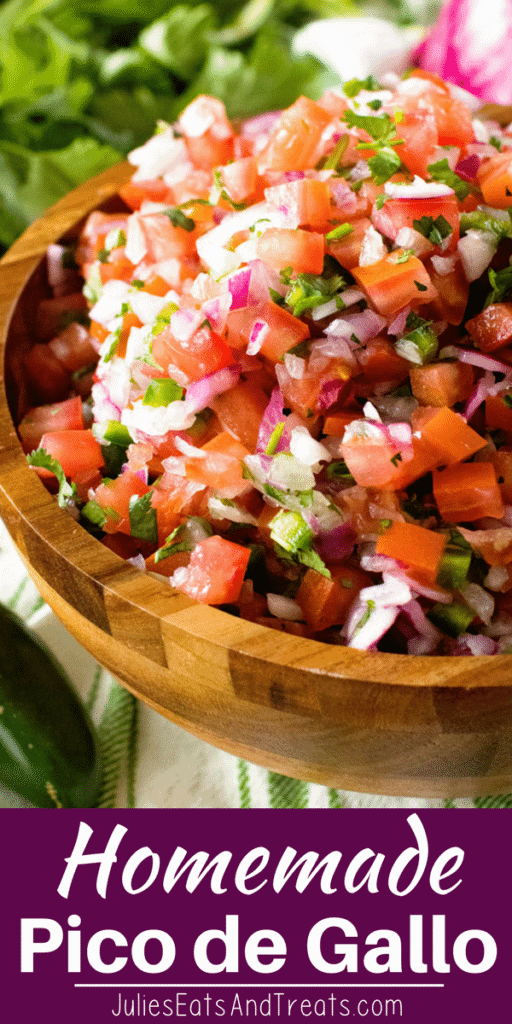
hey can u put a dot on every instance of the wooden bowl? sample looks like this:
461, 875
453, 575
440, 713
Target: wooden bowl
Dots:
381, 723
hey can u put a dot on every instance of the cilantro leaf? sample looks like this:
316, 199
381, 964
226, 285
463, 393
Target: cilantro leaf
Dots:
171, 546
42, 460
441, 171
501, 284
384, 164
143, 518
355, 85
310, 290
435, 230
381, 128
179, 219
224, 195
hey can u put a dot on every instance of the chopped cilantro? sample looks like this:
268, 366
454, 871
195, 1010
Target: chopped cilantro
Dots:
310, 290
382, 129
496, 142
395, 459
179, 219
102, 255
441, 171
276, 297
355, 85
42, 460
374, 104
339, 471
501, 284
421, 287
435, 230
143, 518
224, 195
172, 546
404, 256
138, 284
380, 200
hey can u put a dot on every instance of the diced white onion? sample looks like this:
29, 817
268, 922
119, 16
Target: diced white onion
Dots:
480, 601
476, 250
373, 248
219, 510
114, 294
294, 365
189, 449
146, 306
443, 265
304, 448
496, 577
155, 421
284, 608
159, 154
371, 413
419, 189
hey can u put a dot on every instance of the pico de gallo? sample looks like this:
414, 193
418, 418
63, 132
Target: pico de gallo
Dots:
286, 384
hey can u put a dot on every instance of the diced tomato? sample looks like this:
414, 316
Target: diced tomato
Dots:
308, 199
95, 230
448, 435
334, 104
495, 179
167, 566
347, 250
136, 193
438, 384
220, 466
240, 410
302, 250
452, 294
374, 460
239, 178
163, 240
175, 499
53, 314
502, 462
381, 363
396, 214
391, 285
295, 143
467, 492
498, 415
419, 549
76, 450
492, 328
73, 348
98, 331
47, 418
48, 378
204, 353
419, 132
453, 119
114, 498
335, 424
156, 285
216, 571
326, 602
120, 269
424, 459
285, 330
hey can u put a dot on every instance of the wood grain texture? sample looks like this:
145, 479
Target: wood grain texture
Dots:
369, 722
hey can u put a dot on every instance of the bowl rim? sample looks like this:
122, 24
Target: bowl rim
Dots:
29, 501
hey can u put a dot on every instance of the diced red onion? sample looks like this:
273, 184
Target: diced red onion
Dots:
478, 395
262, 124
338, 544
306, 449
185, 322
201, 392
397, 326
259, 331
216, 311
330, 393
238, 284
467, 167
425, 628
293, 175
294, 365
365, 325
484, 362
142, 473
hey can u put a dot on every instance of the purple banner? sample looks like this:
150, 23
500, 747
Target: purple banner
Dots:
120, 915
